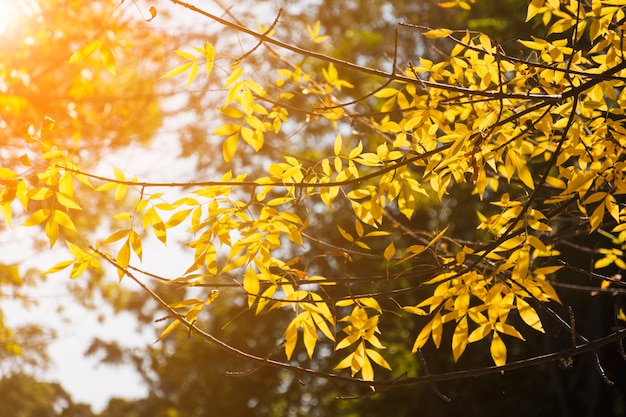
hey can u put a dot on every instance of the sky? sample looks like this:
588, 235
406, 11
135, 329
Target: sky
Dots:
84, 378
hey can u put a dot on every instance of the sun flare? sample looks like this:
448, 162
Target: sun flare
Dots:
9, 11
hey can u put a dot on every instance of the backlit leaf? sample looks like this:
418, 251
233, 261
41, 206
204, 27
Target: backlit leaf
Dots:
529, 315
178, 70
437, 33
106, 55
390, 250
498, 350
460, 339
85, 51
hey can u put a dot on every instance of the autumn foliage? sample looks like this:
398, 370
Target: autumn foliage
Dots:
532, 133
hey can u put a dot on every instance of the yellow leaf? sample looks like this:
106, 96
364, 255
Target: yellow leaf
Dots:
37, 217
291, 338
40, 193
415, 310
119, 174
524, 173
356, 151
498, 350
345, 234
256, 88
460, 338
7, 173
59, 267
107, 58
122, 259
252, 138
158, 227
534, 8
64, 220
437, 33
314, 33
209, 55
338, 144
177, 218
371, 303
508, 329
178, 70
227, 129
612, 207
135, 243
52, 231
251, 285
247, 100
436, 238
547, 270
480, 332
7, 213
185, 54
488, 121
67, 201
595, 220
233, 77
292, 217
229, 148
345, 362
386, 92
168, 330
193, 71
106, 187
123, 216
529, 315
120, 191
437, 329
367, 372
422, 337
114, 237
603, 263
377, 358
390, 250
309, 337
85, 51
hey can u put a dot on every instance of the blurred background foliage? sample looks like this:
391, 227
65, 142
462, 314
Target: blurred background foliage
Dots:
185, 376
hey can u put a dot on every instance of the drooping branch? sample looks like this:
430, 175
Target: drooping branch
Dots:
590, 346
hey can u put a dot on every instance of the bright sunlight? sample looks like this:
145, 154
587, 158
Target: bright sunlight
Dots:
9, 11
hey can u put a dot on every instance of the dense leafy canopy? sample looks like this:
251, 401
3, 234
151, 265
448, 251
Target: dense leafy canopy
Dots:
528, 146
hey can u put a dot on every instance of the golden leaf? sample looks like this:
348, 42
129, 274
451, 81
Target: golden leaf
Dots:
437, 33
498, 350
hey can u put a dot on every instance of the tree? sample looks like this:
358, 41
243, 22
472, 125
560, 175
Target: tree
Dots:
532, 143
40, 92
22, 395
